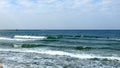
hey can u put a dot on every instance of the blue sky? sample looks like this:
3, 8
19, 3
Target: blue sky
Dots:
59, 14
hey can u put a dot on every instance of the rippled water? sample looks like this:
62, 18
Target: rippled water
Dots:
91, 46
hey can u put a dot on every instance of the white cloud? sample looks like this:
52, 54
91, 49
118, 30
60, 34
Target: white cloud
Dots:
58, 10
61, 5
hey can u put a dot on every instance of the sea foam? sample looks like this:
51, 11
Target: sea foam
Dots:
23, 38
62, 53
29, 37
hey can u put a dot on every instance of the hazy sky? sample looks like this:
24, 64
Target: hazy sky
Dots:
59, 14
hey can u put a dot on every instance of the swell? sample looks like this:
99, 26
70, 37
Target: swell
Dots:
67, 41
88, 42
66, 38
63, 47
84, 37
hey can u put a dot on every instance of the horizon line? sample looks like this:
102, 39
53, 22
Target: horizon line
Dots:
57, 29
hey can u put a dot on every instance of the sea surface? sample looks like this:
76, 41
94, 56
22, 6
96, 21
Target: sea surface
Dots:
60, 48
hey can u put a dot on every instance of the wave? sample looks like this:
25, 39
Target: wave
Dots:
57, 37
47, 45
25, 45
83, 48
62, 53
15, 39
90, 48
5, 38
23, 38
63, 47
83, 37
29, 37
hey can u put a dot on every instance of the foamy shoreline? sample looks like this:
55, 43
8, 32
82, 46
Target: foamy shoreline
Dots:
35, 60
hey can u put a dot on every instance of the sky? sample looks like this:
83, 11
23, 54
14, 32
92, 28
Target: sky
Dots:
59, 14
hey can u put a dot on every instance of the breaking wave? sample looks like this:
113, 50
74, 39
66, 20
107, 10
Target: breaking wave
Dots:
62, 53
63, 47
23, 38
56, 37
29, 37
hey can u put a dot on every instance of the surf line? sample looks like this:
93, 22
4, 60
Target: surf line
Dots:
61, 53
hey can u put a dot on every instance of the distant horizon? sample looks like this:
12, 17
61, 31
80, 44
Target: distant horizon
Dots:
58, 29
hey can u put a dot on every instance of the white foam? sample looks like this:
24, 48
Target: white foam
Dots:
5, 38
14, 39
17, 45
62, 53
23, 38
29, 37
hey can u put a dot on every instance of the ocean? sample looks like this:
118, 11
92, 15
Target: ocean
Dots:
60, 48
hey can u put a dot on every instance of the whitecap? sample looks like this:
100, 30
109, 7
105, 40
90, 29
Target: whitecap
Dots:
29, 37
23, 38
62, 53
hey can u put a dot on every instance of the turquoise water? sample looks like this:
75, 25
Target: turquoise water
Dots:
92, 46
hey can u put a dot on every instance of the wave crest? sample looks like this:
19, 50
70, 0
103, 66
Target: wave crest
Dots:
29, 37
23, 38
62, 53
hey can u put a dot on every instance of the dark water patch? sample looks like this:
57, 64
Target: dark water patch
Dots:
91, 37
83, 48
94, 36
92, 48
78, 36
86, 36
62, 37
104, 59
50, 40
58, 36
52, 37
29, 45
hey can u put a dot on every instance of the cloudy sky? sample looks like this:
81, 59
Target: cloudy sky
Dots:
59, 14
